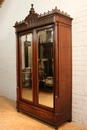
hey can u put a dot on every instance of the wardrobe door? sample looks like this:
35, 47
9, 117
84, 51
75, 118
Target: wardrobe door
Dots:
25, 44
45, 67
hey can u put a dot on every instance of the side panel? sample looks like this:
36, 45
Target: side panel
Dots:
65, 68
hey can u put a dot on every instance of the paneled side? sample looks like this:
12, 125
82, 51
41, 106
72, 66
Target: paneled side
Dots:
64, 68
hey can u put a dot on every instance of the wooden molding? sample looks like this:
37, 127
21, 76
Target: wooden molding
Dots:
34, 19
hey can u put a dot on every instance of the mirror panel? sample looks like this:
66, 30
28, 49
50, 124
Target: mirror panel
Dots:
45, 67
26, 56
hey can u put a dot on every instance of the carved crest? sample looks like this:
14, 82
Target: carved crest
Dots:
32, 18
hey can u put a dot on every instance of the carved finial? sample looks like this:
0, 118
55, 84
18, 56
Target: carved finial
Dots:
32, 9
31, 5
55, 7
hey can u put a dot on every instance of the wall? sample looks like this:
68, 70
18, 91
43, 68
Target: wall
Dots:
17, 10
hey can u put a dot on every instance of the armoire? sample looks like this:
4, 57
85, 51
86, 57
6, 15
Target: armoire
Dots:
44, 66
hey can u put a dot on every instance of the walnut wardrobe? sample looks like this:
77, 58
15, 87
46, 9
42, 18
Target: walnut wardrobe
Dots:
44, 66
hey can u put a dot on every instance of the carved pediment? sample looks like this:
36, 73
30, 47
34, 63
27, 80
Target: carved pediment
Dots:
33, 19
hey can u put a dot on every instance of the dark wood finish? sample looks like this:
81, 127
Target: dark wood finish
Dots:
62, 53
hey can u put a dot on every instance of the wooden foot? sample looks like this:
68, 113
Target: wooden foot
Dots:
70, 120
56, 128
18, 110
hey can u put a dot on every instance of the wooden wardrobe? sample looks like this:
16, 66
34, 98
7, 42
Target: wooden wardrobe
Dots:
44, 66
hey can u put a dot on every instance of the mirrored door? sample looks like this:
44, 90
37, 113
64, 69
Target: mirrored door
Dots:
26, 68
45, 67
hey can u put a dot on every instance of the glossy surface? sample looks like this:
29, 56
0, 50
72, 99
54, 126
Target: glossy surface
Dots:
45, 67
26, 57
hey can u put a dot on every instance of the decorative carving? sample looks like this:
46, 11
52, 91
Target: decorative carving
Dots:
32, 9
34, 19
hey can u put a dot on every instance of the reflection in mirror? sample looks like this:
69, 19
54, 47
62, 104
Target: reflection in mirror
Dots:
45, 67
26, 44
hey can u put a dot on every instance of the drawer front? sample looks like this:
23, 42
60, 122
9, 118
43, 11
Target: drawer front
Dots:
25, 108
41, 114
44, 115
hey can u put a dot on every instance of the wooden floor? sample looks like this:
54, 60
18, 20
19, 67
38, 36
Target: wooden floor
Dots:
10, 119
